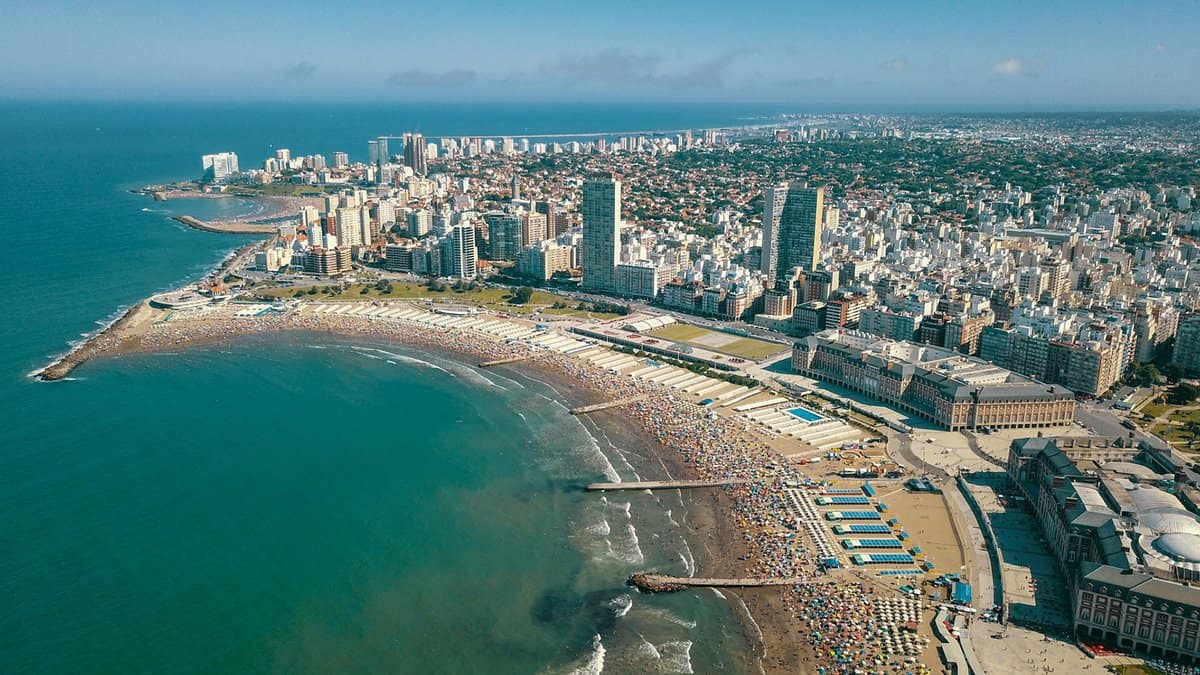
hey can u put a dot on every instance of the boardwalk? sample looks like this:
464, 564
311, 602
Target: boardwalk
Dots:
595, 407
661, 583
666, 484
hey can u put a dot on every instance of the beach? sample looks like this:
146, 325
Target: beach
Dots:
745, 530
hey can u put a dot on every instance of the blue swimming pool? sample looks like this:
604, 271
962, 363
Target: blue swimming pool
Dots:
805, 414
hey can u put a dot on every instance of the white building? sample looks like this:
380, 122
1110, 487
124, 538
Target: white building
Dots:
220, 166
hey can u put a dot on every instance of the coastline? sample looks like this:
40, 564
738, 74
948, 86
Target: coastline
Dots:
723, 545
276, 207
122, 335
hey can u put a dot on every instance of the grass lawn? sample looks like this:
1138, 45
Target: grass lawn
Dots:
679, 332
1154, 409
1135, 670
746, 348
1185, 416
492, 298
1176, 435
749, 348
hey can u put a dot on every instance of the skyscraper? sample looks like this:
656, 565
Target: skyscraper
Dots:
601, 232
349, 226
463, 254
381, 146
414, 153
220, 166
791, 229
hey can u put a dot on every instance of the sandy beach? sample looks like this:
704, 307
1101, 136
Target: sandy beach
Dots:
745, 530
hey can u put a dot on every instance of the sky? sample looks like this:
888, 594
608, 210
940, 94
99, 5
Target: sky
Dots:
897, 55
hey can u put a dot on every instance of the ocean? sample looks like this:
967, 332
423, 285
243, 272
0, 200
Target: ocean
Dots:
299, 503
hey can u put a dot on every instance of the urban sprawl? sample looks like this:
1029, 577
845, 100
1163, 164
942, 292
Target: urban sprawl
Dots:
995, 313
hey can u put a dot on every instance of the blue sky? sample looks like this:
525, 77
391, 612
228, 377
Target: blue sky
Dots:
897, 54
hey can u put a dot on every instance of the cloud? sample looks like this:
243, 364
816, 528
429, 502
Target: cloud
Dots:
619, 67
300, 71
424, 79
1015, 67
896, 65
1160, 47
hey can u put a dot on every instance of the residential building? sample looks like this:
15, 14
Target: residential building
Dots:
601, 232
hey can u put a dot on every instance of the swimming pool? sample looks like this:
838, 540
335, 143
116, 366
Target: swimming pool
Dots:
805, 414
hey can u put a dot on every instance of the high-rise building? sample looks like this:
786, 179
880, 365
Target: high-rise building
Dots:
373, 152
414, 153
463, 255
340, 159
555, 223
516, 187
420, 223
219, 166
791, 229
601, 232
533, 229
349, 226
284, 157
1187, 345
381, 146
505, 234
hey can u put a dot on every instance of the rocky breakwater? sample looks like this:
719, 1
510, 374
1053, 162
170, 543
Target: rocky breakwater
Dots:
649, 582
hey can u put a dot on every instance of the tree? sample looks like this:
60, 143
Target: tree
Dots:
1192, 428
1183, 393
523, 295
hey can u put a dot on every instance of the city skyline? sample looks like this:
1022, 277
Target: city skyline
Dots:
934, 56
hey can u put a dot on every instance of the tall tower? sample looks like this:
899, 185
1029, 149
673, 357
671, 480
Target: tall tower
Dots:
791, 229
381, 147
414, 153
463, 254
601, 232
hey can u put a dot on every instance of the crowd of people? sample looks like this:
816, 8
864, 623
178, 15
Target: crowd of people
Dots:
832, 612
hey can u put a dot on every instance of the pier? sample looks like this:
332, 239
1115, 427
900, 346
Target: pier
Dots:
665, 484
501, 362
225, 228
596, 407
662, 583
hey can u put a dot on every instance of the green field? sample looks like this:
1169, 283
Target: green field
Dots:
716, 341
496, 299
749, 348
679, 332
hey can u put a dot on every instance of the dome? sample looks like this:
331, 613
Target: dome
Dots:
1171, 521
1181, 547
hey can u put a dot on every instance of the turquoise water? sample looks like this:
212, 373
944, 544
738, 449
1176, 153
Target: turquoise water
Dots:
295, 503
805, 414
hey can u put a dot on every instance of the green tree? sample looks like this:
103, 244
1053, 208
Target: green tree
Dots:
1184, 393
523, 295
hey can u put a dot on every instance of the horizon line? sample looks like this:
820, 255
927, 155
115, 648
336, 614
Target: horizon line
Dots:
785, 107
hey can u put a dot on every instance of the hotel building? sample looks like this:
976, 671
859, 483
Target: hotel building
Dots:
945, 387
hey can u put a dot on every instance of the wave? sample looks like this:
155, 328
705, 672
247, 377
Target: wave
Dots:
621, 605
676, 656
593, 663
400, 358
689, 561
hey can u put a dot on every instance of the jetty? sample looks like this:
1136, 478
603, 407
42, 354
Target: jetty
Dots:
225, 228
501, 362
662, 583
665, 484
596, 407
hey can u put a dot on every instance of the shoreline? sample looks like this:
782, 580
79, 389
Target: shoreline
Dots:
120, 336
276, 207
721, 545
